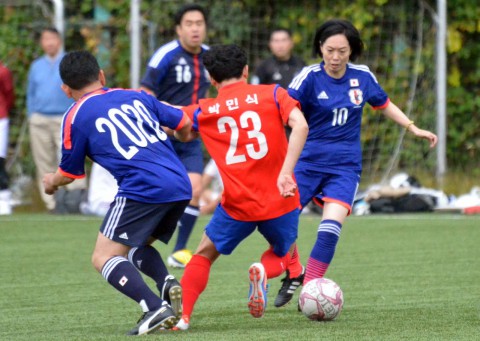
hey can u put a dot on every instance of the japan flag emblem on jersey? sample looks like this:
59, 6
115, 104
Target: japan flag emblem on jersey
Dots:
356, 96
353, 82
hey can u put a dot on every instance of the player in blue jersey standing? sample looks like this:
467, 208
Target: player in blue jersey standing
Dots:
175, 74
332, 95
121, 130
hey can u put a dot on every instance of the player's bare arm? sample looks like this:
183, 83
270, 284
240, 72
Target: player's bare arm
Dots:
298, 136
393, 112
170, 132
51, 182
185, 134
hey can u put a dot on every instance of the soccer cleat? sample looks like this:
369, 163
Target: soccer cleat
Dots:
172, 294
183, 324
288, 288
257, 296
179, 259
152, 320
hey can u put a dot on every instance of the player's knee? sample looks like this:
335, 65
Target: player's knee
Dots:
98, 261
207, 249
95, 263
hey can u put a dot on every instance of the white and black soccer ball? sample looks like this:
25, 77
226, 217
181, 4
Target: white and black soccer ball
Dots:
321, 299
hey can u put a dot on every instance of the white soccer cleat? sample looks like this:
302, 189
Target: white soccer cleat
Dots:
257, 296
183, 324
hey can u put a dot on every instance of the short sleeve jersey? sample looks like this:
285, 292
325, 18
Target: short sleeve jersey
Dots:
177, 76
121, 131
333, 109
243, 131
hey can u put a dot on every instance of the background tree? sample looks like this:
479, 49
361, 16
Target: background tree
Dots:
400, 37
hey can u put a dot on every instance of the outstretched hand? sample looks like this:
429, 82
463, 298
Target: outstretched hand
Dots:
286, 185
425, 134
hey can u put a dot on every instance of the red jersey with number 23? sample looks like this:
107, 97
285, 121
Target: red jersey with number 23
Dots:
243, 130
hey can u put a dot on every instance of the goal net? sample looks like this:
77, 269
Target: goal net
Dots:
399, 37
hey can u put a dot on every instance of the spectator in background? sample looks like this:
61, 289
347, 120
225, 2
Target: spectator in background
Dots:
282, 66
7, 99
175, 74
46, 104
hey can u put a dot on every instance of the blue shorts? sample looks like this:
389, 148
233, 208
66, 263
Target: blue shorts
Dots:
191, 154
226, 233
132, 223
321, 187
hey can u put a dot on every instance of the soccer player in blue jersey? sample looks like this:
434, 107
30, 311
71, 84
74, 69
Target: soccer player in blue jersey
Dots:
175, 74
332, 95
121, 130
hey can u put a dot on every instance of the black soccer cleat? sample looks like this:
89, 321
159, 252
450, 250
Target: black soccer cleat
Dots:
288, 288
152, 320
172, 294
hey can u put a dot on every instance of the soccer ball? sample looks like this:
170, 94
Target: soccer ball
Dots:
321, 299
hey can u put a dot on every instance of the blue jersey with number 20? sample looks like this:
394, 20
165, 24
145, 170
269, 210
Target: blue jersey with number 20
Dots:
121, 130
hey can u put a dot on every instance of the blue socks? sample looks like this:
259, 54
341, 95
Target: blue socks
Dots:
123, 276
148, 260
187, 222
323, 250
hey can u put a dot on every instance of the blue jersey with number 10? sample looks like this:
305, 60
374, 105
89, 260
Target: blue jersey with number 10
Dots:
333, 109
121, 130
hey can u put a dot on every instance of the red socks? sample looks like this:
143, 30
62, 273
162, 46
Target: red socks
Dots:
274, 265
194, 282
294, 266
197, 272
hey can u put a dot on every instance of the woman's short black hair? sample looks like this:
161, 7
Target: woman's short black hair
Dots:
334, 27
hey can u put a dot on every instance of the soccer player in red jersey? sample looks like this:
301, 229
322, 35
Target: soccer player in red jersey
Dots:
243, 131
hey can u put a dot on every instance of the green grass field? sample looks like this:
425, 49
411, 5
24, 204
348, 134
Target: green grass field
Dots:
404, 277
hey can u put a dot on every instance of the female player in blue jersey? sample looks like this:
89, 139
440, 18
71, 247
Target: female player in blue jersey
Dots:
332, 95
